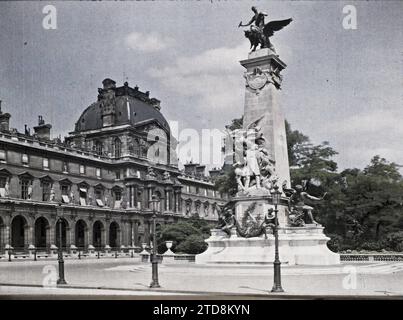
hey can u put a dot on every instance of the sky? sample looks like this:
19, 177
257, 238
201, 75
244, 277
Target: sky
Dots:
341, 85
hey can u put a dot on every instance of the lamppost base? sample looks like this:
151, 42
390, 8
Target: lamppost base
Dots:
59, 281
276, 289
154, 285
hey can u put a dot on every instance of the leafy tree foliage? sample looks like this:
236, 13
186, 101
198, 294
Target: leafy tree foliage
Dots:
187, 236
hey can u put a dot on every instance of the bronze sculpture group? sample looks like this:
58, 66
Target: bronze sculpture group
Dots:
260, 32
299, 214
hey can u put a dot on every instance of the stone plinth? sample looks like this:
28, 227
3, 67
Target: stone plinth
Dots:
263, 204
297, 246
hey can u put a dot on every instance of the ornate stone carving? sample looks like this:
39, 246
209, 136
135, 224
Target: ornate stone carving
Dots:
257, 79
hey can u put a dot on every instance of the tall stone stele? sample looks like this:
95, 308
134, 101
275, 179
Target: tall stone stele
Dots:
263, 83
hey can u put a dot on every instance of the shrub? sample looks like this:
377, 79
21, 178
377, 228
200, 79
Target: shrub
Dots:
394, 241
194, 244
335, 243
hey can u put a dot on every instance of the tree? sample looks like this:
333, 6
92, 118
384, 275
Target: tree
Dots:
187, 236
374, 202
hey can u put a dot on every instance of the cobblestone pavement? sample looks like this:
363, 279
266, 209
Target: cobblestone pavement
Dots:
131, 277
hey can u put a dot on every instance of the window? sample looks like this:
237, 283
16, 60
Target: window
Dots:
25, 189
188, 189
46, 187
82, 169
83, 195
205, 192
197, 190
98, 172
25, 159
64, 189
3, 181
45, 163
118, 197
65, 167
99, 196
98, 193
118, 148
98, 148
4, 191
2, 155
117, 174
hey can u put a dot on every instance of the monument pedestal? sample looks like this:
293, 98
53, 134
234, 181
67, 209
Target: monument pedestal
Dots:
297, 246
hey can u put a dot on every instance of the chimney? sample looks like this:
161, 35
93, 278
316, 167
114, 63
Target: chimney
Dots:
42, 130
4, 120
107, 102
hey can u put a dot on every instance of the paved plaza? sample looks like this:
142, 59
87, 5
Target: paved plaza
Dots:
129, 277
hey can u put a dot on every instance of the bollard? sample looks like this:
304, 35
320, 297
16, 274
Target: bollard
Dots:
35, 255
98, 254
131, 253
79, 255
116, 254
9, 255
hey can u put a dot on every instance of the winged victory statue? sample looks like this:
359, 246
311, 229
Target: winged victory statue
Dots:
260, 32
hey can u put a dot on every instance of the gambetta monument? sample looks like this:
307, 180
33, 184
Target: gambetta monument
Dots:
244, 234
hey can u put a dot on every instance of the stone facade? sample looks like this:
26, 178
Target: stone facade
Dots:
99, 180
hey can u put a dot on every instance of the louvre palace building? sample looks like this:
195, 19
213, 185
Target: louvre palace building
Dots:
99, 180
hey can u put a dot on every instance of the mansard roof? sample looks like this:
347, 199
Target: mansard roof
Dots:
131, 106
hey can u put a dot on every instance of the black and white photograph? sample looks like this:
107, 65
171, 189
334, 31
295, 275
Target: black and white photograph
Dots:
186, 150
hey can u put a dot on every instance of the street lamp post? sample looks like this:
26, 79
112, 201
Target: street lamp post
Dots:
154, 259
276, 196
60, 259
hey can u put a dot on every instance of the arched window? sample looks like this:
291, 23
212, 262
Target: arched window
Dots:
118, 148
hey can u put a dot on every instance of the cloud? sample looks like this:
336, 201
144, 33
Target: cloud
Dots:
371, 122
213, 79
151, 42
364, 135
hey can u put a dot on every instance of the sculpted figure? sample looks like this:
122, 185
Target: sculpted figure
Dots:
241, 172
52, 195
260, 32
7, 188
300, 212
226, 218
29, 192
150, 172
72, 197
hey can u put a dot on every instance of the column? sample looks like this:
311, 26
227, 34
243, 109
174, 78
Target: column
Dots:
51, 236
166, 204
69, 236
89, 236
7, 234
107, 233
147, 226
135, 196
136, 232
28, 236
104, 235
132, 239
